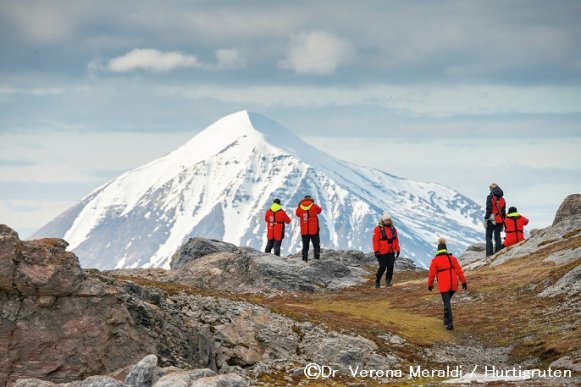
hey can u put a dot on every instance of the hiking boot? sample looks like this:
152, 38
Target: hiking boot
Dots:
305, 259
448, 319
388, 284
377, 285
317, 256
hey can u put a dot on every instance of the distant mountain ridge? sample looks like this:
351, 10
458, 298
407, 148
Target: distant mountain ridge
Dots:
219, 184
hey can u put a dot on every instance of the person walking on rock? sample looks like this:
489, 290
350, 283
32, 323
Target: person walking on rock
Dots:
514, 227
386, 248
275, 219
308, 212
447, 270
494, 218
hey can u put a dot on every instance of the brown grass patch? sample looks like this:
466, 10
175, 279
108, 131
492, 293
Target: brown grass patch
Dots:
572, 233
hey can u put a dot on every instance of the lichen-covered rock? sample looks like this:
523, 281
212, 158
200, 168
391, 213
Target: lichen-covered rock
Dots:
569, 211
569, 284
141, 374
45, 268
225, 380
58, 323
473, 253
572, 362
183, 378
196, 248
98, 381
34, 383
248, 270
9, 243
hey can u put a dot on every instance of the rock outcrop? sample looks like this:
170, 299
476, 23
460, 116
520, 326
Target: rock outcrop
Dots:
210, 264
60, 323
473, 253
569, 211
90, 323
248, 270
146, 373
196, 248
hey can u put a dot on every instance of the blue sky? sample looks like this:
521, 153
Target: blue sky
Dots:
459, 93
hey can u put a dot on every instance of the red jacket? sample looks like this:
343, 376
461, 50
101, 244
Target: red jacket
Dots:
385, 244
307, 211
515, 227
498, 204
275, 219
448, 270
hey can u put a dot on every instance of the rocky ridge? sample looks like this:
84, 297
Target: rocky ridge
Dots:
211, 264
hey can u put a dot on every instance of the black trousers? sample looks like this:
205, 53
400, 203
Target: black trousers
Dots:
491, 229
273, 243
307, 239
386, 262
447, 299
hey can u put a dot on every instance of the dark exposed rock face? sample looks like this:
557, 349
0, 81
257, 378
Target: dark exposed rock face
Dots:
196, 248
569, 211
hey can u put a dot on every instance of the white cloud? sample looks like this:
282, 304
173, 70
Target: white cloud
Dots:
149, 59
317, 52
229, 58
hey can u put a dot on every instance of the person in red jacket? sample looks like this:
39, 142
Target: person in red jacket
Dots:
514, 227
446, 268
494, 218
386, 248
275, 221
308, 212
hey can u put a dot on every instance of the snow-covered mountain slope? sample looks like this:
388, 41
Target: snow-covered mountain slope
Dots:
219, 184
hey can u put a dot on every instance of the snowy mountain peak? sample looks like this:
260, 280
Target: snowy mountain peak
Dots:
219, 184
248, 127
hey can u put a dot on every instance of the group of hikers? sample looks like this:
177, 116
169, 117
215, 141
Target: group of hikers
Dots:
444, 267
496, 219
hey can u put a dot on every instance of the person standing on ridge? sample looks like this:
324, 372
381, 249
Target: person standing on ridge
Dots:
308, 212
514, 226
386, 248
446, 268
494, 218
275, 219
